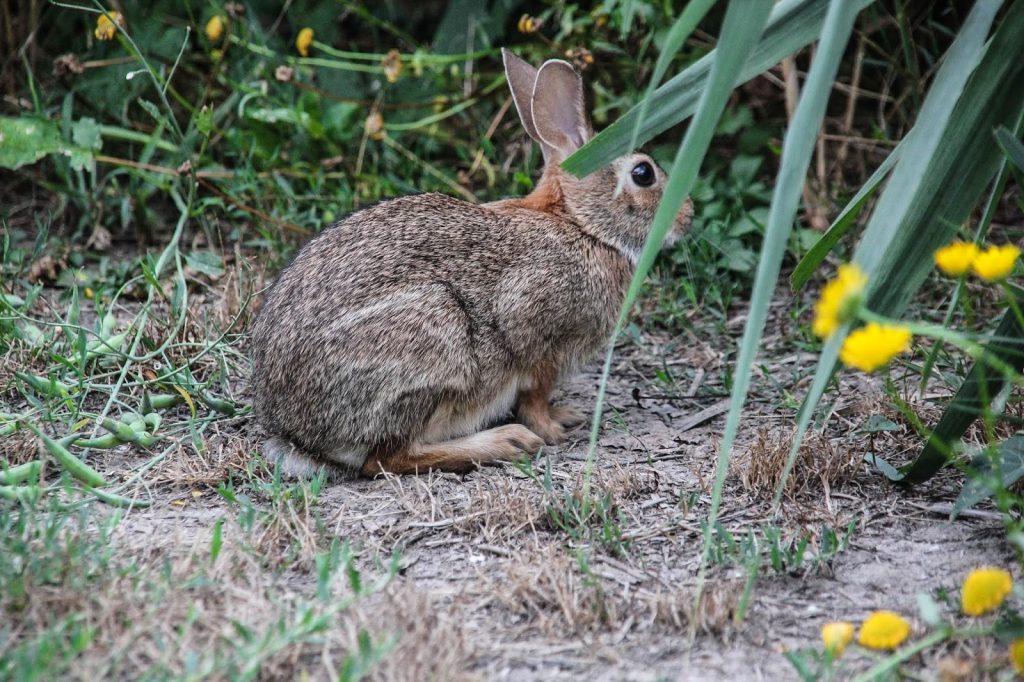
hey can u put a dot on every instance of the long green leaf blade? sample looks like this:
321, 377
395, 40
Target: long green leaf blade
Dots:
944, 163
677, 35
798, 146
793, 24
841, 225
1011, 146
740, 31
1011, 460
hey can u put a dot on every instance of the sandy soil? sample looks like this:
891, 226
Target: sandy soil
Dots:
490, 585
490, 588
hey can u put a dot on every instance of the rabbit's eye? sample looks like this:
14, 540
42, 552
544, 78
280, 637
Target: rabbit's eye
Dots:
643, 174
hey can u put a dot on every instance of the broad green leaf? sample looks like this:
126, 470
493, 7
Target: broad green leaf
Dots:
25, 140
206, 262
888, 470
793, 24
949, 157
85, 133
876, 423
79, 158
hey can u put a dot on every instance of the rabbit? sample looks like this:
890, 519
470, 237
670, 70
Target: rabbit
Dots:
400, 334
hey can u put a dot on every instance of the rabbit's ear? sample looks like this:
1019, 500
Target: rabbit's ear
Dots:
558, 110
521, 79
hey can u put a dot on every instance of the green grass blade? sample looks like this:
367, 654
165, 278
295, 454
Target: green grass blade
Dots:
740, 31
944, 167
798, 146
841, 225
1011, 146
677, 35
793, 24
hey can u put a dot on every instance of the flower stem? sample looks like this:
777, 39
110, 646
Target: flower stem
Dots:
962, 341
888, 664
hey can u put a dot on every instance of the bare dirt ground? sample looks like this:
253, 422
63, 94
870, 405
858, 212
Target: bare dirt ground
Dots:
489, 586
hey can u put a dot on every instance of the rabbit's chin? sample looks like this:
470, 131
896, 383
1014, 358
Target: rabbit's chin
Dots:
633, 253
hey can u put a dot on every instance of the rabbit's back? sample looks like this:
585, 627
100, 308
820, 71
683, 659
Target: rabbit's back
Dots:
416, 305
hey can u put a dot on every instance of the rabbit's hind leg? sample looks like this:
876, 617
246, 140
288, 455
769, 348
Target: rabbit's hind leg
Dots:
534, 409
501, 443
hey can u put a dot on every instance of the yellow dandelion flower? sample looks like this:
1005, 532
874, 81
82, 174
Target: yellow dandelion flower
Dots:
106, 25
996, 262
955, 259
374, 126
883, 630
836, 636
872, 346
215, 28
839, 300
984, 589
392, 64
303, 41
1017, 656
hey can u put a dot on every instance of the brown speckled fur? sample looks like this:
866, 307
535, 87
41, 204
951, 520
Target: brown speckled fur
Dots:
401, 331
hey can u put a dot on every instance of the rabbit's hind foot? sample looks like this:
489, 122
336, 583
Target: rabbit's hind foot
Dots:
292, 461
502, 443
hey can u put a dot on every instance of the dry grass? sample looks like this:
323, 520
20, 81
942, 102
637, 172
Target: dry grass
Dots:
508, 507
717, 608
221, 457
175, 613
20, 447
820, 465
550, 592
490, 584
428, 643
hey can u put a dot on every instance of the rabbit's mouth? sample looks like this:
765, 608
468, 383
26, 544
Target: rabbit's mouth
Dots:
682, 222
674, 235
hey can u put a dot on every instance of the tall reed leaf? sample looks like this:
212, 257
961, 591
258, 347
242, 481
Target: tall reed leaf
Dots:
793, 24
740, 30
677, 35
949, 157
801, 136
841, 225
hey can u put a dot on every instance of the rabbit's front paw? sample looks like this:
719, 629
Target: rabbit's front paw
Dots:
542, 424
